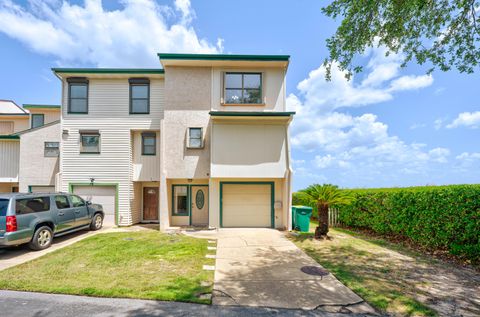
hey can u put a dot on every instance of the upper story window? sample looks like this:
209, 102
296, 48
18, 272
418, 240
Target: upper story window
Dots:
243, 88
139, 95
77, 95
195, 138
52, 149
149, 143
90, 142
37, 120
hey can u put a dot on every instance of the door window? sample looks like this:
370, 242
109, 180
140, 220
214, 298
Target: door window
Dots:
180, 200
62, 202
77, 201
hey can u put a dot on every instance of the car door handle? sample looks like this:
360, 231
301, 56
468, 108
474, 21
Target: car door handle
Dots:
77, 211
61, 214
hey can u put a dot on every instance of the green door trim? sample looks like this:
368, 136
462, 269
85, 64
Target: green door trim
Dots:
189, 201
272, 199
71, 185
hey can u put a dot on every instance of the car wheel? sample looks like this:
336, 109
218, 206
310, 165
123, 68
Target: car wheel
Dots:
97, 222
42, 239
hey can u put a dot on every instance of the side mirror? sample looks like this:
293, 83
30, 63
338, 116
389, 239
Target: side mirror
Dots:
89, 202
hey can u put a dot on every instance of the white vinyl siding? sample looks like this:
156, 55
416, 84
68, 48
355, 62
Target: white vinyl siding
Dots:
246, 205
9, 159
108, 112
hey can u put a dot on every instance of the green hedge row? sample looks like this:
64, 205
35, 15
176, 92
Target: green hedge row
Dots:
439, 218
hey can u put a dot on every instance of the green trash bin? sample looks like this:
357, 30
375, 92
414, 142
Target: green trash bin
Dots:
301, 218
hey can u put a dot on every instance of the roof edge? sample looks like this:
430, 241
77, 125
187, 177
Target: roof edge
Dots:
9, 137
37, 128
109, 70
37, 106
224, 57
252, 113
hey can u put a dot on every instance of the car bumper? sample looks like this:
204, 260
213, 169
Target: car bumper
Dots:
11, 240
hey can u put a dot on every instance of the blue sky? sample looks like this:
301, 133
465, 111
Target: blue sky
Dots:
387, 127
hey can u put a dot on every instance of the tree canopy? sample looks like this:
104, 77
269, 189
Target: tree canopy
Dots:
443, 34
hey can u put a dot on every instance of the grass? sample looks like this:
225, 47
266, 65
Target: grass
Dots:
145, 264
373, 271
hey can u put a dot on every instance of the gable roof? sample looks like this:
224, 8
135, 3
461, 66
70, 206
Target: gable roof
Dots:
8, 107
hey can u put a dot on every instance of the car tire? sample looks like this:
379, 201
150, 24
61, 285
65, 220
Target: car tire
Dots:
42, 239
97, 222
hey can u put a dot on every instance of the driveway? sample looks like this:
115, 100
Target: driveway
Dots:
13, 256
262, 268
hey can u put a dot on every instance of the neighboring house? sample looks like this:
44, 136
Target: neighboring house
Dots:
26, 146
203, 141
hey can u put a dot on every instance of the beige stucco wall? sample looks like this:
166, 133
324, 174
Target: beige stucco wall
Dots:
50, 114
249, 149
9, 160
20, 123
214, 202
35, 168
145, 167
108, 113
273, 84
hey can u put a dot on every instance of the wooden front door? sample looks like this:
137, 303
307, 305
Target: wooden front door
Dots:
150, 203
199, 202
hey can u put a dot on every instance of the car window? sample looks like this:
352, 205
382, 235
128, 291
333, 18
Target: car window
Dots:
31, 205
3, 207
62, 202
77, 201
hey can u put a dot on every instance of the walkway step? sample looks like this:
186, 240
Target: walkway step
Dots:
211, 256
211, 248
209, 267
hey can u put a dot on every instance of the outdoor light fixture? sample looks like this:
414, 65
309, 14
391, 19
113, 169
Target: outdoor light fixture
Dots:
92, 180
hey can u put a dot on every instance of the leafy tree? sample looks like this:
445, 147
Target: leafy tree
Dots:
443, 33
323, 197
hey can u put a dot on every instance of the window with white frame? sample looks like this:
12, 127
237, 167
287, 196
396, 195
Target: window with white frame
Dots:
52, 149
195, 138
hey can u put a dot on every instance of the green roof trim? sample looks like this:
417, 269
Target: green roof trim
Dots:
31, 106
225, 57
251, 114
109, 70
9, 137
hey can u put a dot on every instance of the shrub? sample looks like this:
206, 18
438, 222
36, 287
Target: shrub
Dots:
437, 218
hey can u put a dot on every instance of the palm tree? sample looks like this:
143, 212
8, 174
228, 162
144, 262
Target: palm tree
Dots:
322, 197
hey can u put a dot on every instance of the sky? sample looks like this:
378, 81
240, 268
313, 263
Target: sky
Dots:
387, 127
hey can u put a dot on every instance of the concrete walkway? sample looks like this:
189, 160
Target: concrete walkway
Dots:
262, 268
22, 304
13, 256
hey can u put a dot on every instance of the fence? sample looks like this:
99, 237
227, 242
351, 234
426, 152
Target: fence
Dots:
333, 217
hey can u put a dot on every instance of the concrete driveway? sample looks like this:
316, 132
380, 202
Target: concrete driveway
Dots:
262, 268
13, 256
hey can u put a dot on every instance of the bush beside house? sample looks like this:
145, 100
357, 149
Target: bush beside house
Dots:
435, 217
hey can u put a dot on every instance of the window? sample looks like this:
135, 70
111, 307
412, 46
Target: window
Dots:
90, 142
52, 149
139, 95
195, 140
243, 88
31, 205
77, 201
37, 120
77, 95
62, 202
149, 143
180, 200
3, 207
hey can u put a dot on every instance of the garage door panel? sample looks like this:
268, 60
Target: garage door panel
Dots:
103, 195
246, 205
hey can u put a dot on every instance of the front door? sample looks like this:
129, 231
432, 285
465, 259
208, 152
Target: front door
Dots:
150, 203
199, 205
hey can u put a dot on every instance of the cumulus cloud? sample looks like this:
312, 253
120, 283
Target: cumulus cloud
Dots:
466, 119
90, 34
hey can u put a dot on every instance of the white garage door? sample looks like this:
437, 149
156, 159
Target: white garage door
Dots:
247, 205
42, 189
103, 195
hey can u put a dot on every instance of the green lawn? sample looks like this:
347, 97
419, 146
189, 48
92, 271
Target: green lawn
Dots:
374, 271
145, 264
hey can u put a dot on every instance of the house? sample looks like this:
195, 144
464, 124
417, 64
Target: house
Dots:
202, 141
29, 146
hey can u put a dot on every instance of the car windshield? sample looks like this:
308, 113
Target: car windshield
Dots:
3, 207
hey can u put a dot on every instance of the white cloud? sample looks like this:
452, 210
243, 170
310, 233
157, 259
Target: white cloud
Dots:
438, 123
466, 156
90, 34
466, 119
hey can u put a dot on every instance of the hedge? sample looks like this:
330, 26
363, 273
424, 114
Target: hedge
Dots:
437, 218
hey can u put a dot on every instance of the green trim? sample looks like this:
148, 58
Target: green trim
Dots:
189, 201
31, 106
272, 198
14, 114
109, 70
71, 185
224, 57
251, 113
9, 137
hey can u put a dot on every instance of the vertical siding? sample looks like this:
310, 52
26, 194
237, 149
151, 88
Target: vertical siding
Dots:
9, 158
146, 168
108, 113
